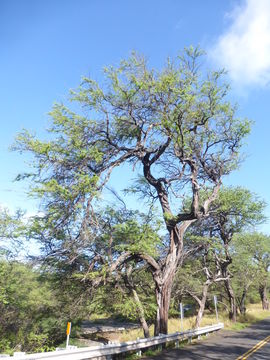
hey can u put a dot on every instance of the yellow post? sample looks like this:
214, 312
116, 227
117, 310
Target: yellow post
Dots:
68, 332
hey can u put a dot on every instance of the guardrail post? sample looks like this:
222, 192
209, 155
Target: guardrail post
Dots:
139, 352
215, 303
189, 339
176, 344
160, 346
19, 354
181, 310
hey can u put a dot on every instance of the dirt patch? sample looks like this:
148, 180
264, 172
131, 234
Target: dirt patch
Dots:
105, 330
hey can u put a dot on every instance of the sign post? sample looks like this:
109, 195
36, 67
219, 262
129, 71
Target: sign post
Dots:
215, 302
68, 333
181, 317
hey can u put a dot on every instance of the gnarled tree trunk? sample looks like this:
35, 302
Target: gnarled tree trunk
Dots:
164, 278
263, 295
163, 297
164, 272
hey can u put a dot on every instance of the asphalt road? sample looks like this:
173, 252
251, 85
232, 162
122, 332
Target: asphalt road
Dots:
226, 345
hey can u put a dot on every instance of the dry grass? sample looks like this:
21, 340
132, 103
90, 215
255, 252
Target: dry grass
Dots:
254, 313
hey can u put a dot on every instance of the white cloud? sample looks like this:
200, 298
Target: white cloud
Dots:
244, 48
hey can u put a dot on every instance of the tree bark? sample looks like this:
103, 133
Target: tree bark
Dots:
201, 306
163, 297
242, 307
232, 300
227, 281
130, 285
263, 295
141, 314
165, 276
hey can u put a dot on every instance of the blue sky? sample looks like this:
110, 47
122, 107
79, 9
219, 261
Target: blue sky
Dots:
46, 46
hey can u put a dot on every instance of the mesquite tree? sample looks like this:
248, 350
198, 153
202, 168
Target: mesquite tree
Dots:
198, 274
174, 126
245, 272
257, 247
233, 211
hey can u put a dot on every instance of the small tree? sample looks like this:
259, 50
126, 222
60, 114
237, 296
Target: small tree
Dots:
234, 210
200, 270
257, 246
130, 235
110, 260
244, 270
174, 126
211, 274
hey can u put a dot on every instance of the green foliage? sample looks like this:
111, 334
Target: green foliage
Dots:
252, 251
23, 300
12, 231
136, 238
115, 299
128, 309
239, 207
235, 210
33, 315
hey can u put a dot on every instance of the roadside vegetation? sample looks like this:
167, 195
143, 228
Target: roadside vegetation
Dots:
173, 234
254, 314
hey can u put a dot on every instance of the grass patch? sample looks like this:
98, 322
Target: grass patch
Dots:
73, 342
133, 334
151, 352
254, 314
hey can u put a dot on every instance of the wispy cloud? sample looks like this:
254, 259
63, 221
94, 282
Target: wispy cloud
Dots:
244, 48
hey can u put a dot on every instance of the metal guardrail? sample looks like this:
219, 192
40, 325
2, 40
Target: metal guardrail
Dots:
112, 349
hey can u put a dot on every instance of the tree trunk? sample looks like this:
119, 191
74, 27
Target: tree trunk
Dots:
132, 289
201, 306
263, 295
232, 300
163, 297
242, 307
145, 327
165, 277
141, 314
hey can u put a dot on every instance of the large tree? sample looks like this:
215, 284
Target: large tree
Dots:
175, 127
